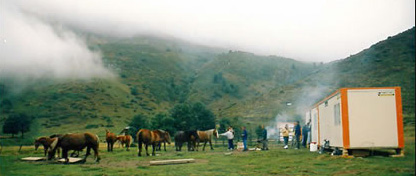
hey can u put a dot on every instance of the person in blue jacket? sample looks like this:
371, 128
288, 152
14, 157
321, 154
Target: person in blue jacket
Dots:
244, 136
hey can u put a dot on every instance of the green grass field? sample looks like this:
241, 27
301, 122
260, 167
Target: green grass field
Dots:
276, 161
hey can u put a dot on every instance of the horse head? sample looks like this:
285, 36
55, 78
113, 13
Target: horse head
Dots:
37, 143
194, 133
215, 133
167, 137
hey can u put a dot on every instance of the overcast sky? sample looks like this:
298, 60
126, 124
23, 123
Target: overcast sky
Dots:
308, 30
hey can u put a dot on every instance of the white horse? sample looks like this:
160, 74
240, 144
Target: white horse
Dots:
205, 136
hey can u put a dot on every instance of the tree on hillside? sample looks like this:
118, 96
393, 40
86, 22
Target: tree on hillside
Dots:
6, 106
182, 118
138, 122
16, 123
192, 117
204, 118
164, 122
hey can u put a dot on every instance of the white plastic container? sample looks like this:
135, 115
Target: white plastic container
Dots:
313, 147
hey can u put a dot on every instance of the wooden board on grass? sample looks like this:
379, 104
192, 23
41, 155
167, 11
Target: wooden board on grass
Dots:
71, 160
177, 161
33, 159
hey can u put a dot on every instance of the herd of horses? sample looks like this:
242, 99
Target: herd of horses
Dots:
78, 141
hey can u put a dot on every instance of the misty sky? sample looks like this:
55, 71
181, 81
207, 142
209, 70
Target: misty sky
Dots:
38, 32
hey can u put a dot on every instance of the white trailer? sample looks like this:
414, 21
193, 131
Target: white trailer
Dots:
359, 118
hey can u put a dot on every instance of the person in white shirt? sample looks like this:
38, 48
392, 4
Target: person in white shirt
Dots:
230, 136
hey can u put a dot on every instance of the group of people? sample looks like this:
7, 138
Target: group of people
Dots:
298, 132
244, 135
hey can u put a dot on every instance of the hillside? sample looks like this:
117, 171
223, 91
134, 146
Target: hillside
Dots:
388, 63
154, 74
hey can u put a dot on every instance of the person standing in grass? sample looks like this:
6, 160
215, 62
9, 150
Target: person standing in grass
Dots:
264, 138
230, 136
285, 134
305, 131
297, 134
244, 136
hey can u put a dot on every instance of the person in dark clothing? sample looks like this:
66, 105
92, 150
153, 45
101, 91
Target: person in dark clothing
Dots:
305, 130
297, 134
244, 136
264, 138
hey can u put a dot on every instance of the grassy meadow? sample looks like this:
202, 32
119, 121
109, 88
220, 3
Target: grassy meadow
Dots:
276, 161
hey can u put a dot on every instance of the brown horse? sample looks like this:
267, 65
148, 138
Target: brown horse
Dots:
46, 142
166, 139
111, 138
75, 141
147, 137
206, 136
125, 140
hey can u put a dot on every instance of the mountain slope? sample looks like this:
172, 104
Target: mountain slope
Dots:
154, 74
388, 63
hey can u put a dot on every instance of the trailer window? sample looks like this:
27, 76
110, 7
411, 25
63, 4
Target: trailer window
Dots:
337, 115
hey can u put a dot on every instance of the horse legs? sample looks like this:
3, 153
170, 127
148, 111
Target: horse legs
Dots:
153, 149
147, 153
210, 144
203, 148
88, 153
108, 146
140, 148
96, 155
65, 155
164, 145
112, 145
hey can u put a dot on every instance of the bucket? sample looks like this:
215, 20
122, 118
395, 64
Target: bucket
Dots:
313, 147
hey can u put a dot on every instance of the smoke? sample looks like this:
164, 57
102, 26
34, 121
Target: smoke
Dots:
273, 130
306, 97
33, 49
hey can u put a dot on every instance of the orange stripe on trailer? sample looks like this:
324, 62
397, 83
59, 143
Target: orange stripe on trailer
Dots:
345, 120
399, 112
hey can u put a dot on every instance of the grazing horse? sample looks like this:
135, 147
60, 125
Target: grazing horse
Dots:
75, 153
46, 142
205, 136
125, 140
111, 138
166, 139
147, 137
186, 136
75, 141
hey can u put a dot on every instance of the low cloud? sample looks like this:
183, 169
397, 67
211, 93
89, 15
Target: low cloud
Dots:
31, 48
307, 30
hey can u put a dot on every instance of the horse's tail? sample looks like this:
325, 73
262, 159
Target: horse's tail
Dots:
98, 140
139, 133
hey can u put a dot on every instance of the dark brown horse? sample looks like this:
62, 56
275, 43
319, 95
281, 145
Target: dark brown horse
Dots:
190, 136
125, 140
166, 139
147, 137
206, 136
111, 138
45, 142
77, 142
